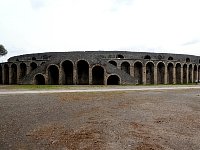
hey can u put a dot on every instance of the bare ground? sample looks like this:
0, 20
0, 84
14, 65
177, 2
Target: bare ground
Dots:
140, 120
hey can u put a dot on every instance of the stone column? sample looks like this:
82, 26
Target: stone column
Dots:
166, 75
192, 74
181, 74
75, 76
155, 75
144, 75
132, 71
61, 76
187, 77
90, 76
174, 75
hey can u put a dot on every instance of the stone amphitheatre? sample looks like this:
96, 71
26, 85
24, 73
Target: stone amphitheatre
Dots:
100, 68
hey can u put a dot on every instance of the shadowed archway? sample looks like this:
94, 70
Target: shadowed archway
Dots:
1, 77
125, 66
83, 72
185, 73
33, 66
138, 72
170, 72
98, 75
67, 72
195, 74
39, 79
53, 75
149, 73
113, 80
190, 74
178, 73
23, 70
161, 73
6, 74
112, 62
13, 74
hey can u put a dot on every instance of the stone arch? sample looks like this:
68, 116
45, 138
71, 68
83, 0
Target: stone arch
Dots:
113, 62
1, 77
195, 73
187, 60
138, 72
33, 66
185, 73
125, 66
161, 73
83, 72
170, 73
178, 73
149, 73
23, 70
13, 74
6, 74
53, 75
170, 58
120, 56
39, 79
98, 75
147, 57
190, 74
113, 80
67, 72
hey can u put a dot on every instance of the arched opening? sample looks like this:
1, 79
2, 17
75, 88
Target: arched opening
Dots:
13, 74
170, 73
178, 73
98, 75
125, 66
190, 74
161, 73
195, 73
33, 66
120, 56
187, 60
53, 75
23, 70
147, 57
67, 75
199, 73
33, 58
39, 79
113, 80
149, 73
138, 72
170, 58
83, 72
6, 74
185, 73
1, 80
113, 63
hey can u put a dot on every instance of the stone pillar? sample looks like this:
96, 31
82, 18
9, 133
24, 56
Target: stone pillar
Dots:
75, 75
90, 76
187, 77
61, 76
166, 75
192, 74
132, 71
144, 75
155, 75
174, 75
181, 74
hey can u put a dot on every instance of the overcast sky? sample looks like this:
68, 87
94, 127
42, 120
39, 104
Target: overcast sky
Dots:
32, 26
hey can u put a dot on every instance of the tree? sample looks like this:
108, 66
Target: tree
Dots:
3, 51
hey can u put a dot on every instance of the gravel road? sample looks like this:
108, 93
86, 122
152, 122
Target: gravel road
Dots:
109, 120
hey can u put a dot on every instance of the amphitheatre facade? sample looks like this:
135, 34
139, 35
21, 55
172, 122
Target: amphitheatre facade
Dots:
100, 68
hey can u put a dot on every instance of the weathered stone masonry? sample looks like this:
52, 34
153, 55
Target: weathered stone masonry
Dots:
100, 68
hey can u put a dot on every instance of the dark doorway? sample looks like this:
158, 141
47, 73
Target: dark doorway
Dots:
178, 73
190, 74
195, 73
23, 70
53, 75
98, 75
67, 75
6, 74
113, 80
150, 73
185, 73
170, 73
125, 66
13, 74
161, 73
113, 63
138, 72
1, 77
33, 66
83, 72
39, 79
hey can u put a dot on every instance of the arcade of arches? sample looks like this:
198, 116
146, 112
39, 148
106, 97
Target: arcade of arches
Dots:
82, 73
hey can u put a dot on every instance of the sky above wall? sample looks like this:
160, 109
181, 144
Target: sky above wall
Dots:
166, 26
